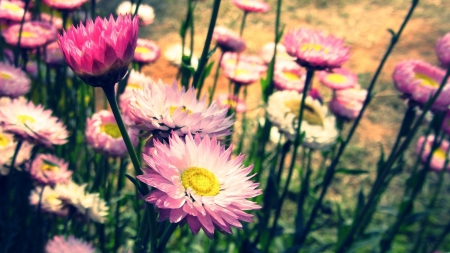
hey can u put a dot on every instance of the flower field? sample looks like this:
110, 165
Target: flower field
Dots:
224, 126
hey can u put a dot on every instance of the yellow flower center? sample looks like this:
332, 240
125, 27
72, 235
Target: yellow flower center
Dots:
4, 141
201, 180
291, 76
440, 153
26, 34
47, 167
53, 199
134, 86
336, 78
310, 113
111, 129
25, 119
182, 109
6, 76
313, 47
231, 62
142, 50
426, 80
231, 102
239, 72
11, 7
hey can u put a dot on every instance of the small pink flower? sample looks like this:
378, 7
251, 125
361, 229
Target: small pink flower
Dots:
266, 53
289, 76
48, 169
61, 244
103, 134
252, 5
13, 81
228, 40
146, 51
196, 181
338, 79
439, 155
13, 11
100, 52
346, 108
53, 55
355, 93
55, 20
227, 101
34, 34
230, 60
443, 50
32, 123
136, 81
314, 49
64, 5
7, 149
242, 74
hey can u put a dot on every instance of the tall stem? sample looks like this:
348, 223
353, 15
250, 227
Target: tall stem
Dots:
241, 29
216, 78
166, 236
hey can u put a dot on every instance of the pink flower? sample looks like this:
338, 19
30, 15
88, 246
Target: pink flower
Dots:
439, 155
314, 49
338, 79
242, 69
13, 81
145, 12
266, 53
230, 60
421, 80
252, 5
355, 93
443, 50
56, 21
346, 108
61, 244
32, 68
228, 40
136, 81
289, 76
49, 199
64, 5
227, 101
146, 51
53, 55
7, 149
100, 52
32, 123
34, 34
163, 109
197, 182
103, 134
48, 169
13, 11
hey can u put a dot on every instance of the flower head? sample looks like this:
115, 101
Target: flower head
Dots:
64, 5
355, 93
103, 134
100, 52
32, 123
53, 55
55, 20
438, 156
443, 50
146, 51
145, 12
242, 69
13, 11
136, 81
32, 68
345, 108
13, 81
228, 40
49, 170
314, 49
227, 101
61, 244
162, 109
197, 181
266, 53
34, 34
338, 79
289, 76
252, 5
7, 149
49, 199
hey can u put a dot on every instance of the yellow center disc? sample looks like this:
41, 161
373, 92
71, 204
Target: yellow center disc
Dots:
201, 180
426, 80
111, 129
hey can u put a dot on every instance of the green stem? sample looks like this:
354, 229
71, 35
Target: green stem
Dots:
120, 185
244, 124
241, 29
16, 152
304, 192
165, 238
17, 48
216, 78
441, 238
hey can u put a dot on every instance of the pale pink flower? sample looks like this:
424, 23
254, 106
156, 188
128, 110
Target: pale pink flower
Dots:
136, 81
439, 155
443, 50
7, 149
50, 200
53, 55
33, 123
355, 93
55, 20
338, 79
48, 169
231, 60
145, 12
227, 101
242, 73
13, 10
228, 40
64, 5
266, 53
162, 109
103, 134
252, 5
34, 34
69, 244
314, 49
100, 52
289, 76
197, 181
13, 81
345, 108
146, 51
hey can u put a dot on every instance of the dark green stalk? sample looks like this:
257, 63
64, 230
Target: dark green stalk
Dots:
304, 192
241, 29
16, 152
17, 48
120, 185
165, 238
441, 238
284, 152
216, 77
137, 6
185, 73
244, 125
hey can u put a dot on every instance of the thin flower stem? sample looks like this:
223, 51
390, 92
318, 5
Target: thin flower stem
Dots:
16, 152
216, 78
304, 191
166, 236
17, 48
120, 185
441, 238
241, 29
244, 124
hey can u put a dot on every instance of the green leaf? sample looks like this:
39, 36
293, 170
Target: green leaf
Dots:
208, 69
351, 172
360, 203
211, 52
392, 32
136, 184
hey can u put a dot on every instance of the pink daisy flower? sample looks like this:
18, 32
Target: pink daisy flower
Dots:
136, 81
48, 169
289, 76
32, 123
266, 53
197, 181
146, 51
338, 79
7, 149
53, 55
163, 109
228, 40
242, 74
231, 60
443, 50
439, 155
13, 11
421, 80
252, 5
145, 12
69, 244
56, 21
34, 34
64, 5
227, 101
314, 49
13, 81
103, 134
345, 108
100, 52
355, 93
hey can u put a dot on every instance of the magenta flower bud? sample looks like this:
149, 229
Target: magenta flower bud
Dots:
443, 50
